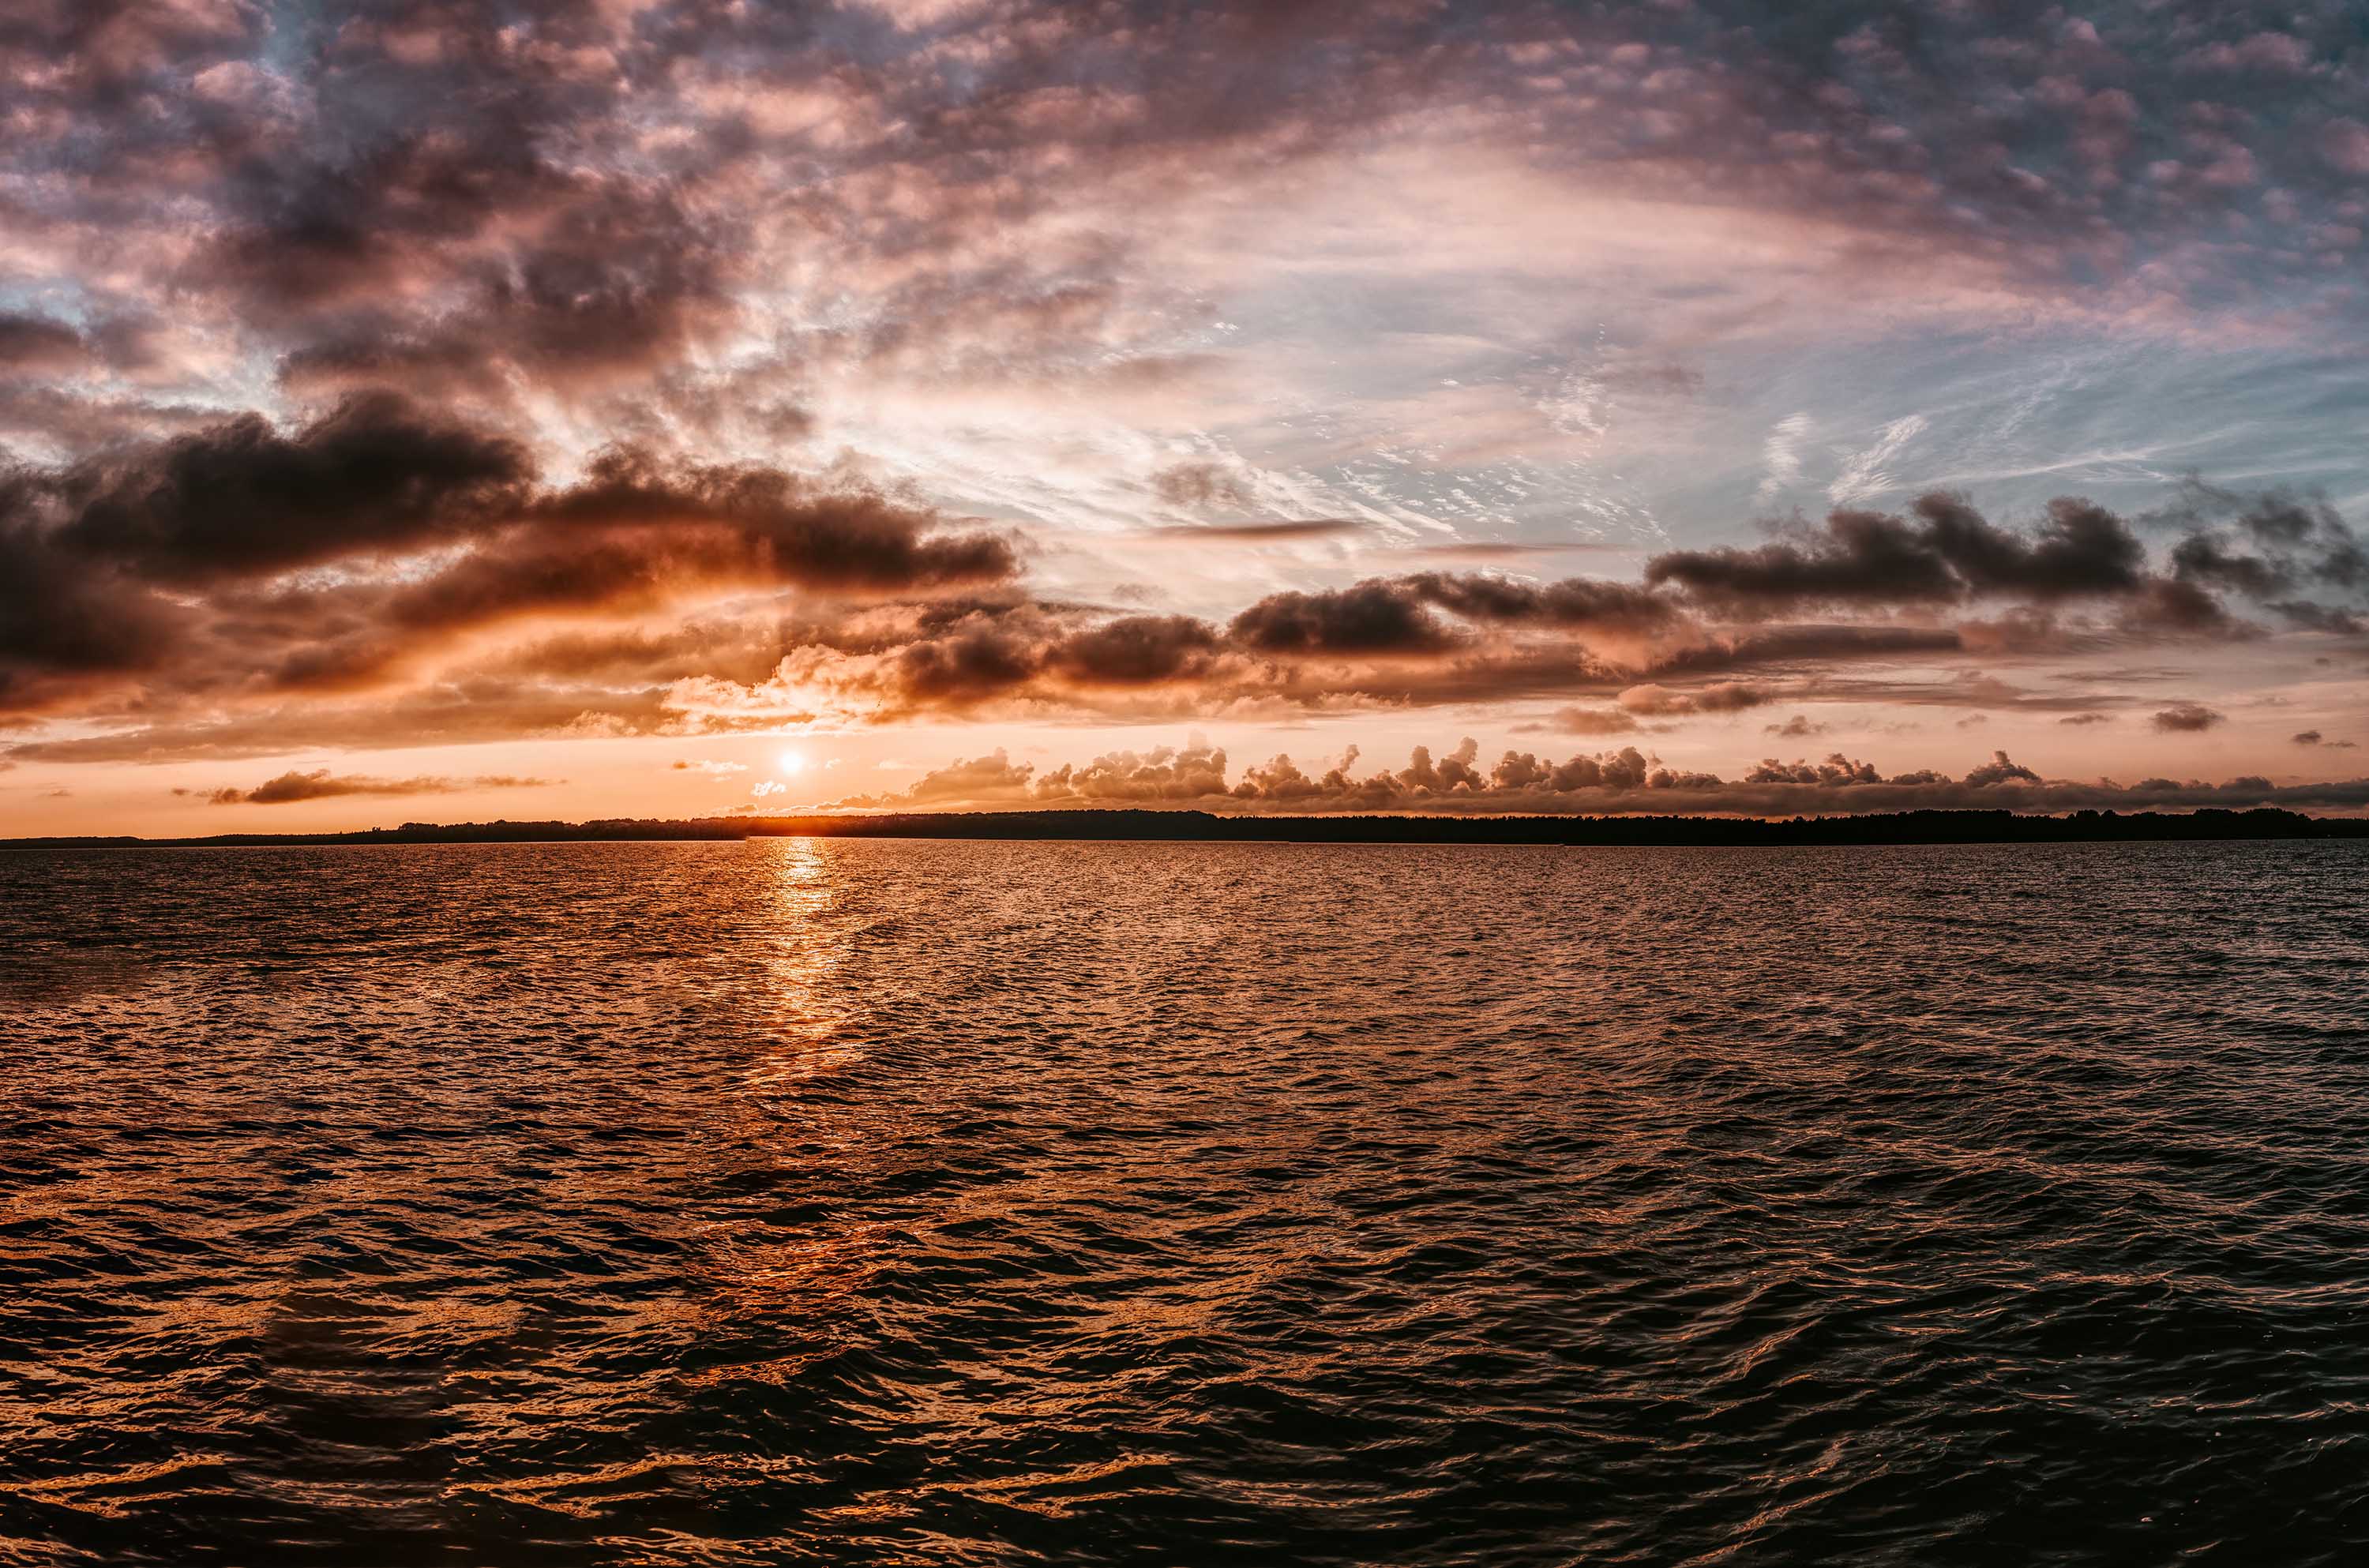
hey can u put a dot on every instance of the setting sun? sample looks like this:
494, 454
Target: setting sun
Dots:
790, 763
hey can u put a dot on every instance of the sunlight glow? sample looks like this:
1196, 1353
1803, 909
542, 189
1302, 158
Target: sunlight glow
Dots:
791, 763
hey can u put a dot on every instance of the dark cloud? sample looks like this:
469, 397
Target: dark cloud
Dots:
171, 562
241, 500
2076, 549
66, 624
2187, 718
1375, 617
1945, 553
1572, 603
1136, 650
35, 344
1394, 615
322, 784
842, 539
2271, 543
1860, 558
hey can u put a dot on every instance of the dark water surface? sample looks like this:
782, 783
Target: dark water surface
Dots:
875, 1202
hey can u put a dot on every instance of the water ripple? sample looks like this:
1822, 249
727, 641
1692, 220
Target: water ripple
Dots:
860, 1201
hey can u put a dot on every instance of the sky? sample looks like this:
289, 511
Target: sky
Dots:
425, 410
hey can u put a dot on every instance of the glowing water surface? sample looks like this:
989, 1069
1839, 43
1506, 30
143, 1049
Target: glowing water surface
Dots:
877, 1202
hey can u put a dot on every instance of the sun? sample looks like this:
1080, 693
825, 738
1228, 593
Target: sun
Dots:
790, 763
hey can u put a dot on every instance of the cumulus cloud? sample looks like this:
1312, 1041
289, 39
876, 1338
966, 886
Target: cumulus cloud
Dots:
1622, 781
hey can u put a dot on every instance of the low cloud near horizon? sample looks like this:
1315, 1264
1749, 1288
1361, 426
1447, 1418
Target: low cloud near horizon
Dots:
1614, 783
322, 784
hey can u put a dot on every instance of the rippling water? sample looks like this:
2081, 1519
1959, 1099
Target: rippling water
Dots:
875, 1202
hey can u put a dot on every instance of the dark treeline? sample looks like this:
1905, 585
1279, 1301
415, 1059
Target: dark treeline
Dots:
1882, 827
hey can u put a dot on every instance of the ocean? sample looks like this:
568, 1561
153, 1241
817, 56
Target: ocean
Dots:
879, 1202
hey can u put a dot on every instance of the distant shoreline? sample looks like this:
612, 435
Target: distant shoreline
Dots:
1200, 827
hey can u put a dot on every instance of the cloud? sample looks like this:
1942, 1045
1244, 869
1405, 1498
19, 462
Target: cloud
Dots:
1798, 727
881, 612
2344, 143
322, 784
1864, 475
1203, 485
179, 562
1375, 617
359, 355
1610, 782
35, 345
980, 779
1395, 616
2271, 53
1491, 550
1590, 721
2314, 738
1945, 553
1999, 770
1781, 456
2187, 718
1278, 532
241, 500
1721, 697
2086, 719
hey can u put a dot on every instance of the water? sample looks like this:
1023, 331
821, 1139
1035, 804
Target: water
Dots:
876, 1202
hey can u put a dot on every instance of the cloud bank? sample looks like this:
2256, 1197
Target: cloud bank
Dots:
1611, 783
